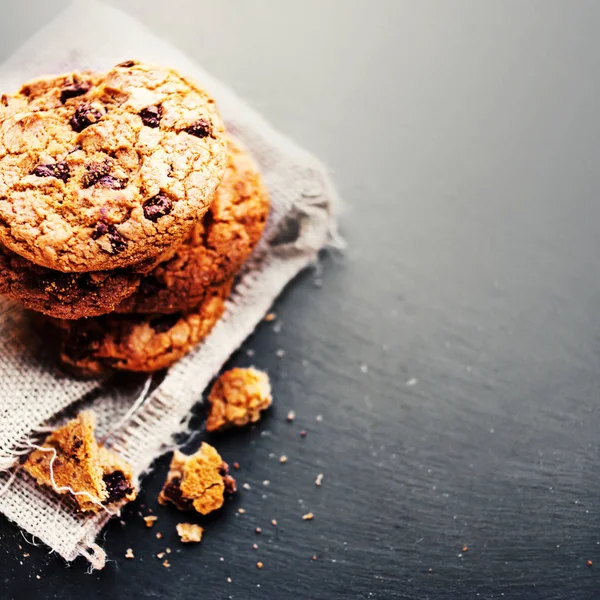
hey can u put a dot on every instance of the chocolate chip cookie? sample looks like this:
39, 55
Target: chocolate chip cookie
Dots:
138, 342
101, 171
64, 295
217, 247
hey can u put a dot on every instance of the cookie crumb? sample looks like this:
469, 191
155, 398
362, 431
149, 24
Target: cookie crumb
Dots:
160, 555
465, 548
168, 550
197, 482
26, 554
237, 398
308, 516
283, 459
270, 317
236, 465
291, 415
37, 577
266, 482
318, 418
314, 557
150, 520
589, 563
129, 553
188, 532
319, 480
166, 564
229, 580
303, 433
259, 565
241, 510
280, 353
255, 546
274, 522
246, 486
158, 535
258, 530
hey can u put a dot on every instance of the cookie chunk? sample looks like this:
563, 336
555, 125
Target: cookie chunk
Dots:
137, 342
101, 171
198, 482
76, 465
217, 247
189, 532
237, 398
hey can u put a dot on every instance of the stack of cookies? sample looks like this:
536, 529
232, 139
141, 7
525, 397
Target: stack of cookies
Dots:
125, 213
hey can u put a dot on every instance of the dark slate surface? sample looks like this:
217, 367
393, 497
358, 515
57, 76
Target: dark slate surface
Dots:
464, 137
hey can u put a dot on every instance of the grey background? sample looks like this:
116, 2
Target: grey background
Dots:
464, 137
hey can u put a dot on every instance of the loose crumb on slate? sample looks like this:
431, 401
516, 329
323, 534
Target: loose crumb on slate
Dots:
150, 520
129, 553
291, 415
160, 555
319, 480
589, 563
274, 522
158, 535
259, 565
283, 459
280, 353
189, 532
166, 564
270, 317
308, 516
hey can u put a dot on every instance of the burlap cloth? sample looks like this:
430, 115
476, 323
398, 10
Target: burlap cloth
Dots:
90, 35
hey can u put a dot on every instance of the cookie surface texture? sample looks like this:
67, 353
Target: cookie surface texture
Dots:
142, 343
217, 247
101, 171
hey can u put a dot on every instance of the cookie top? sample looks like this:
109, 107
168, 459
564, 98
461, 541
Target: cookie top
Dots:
64, 295
100, 171
217, 247
143, 343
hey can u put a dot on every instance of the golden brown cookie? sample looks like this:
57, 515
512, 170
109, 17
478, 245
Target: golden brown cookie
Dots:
197, 482
138, 342
101, 171
217, 247
237, 398
73, 463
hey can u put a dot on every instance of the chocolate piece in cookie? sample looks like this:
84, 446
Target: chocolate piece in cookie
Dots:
217, 247
198, 482
237, 398
140, 149
72, 462
137, 342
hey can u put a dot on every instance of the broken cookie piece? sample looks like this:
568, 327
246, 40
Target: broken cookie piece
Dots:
188, 532
237, 398
197, 482
71, 462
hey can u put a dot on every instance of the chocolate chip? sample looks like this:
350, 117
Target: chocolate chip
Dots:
156, 207
163, 323
126, 64
101, 229
113, 183
117, 486
86, 114
95, 172
172, 492
75, 90
201, 128
151, 115
117, 241
77, 443
60, 170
